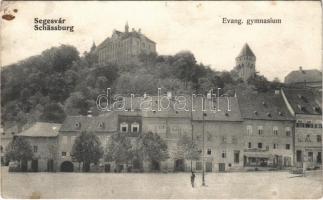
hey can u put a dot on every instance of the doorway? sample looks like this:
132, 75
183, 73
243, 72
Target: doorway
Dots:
67, 166
221, 167
34, 165
179, 165
155, 165
208, 166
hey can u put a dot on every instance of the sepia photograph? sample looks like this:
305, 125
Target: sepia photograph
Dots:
161, 100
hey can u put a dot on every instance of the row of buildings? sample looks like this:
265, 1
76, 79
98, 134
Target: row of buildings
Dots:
250, 130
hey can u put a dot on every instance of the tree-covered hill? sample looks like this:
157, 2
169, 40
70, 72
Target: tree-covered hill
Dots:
60, 82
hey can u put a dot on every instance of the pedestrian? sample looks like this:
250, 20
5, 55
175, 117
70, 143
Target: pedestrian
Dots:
192, 179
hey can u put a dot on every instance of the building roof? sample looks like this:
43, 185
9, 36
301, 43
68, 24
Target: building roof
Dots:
172, 108
263, 106
301, 76
104, 123
222, 109
41, 129
125, 35
246, 51
303, 101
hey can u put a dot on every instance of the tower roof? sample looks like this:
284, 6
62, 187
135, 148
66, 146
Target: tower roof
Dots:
246, 51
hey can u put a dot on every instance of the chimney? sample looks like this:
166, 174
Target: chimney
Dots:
300, 68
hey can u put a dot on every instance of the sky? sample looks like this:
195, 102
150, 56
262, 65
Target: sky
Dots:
177, 26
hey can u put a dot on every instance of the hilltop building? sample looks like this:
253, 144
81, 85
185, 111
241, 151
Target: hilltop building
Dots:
124, 47
311, 78
246, 63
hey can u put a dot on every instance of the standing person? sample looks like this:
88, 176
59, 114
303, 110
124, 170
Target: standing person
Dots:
192, 179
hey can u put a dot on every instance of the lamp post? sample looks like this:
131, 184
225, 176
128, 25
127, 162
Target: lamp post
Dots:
203, 143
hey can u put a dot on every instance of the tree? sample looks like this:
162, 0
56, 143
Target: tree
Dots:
87, 149
151, 147
19, 149
53, 113
187, 149
119, 149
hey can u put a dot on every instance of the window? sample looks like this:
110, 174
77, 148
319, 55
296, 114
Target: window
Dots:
249, 130
308, 138
1, 149
249, 145
35, 148
236, 156
275, 146
63, 153
135, 127
209, 151
309, 124
287, 146
124, 127
223, 154
319, 138
260, 130
260, 145
299, 124
310, 156
275, 130
288, 131
198, 165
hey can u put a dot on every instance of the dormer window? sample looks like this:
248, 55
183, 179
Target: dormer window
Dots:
269, 114
135, 127
77, 125
124, 127
255, 112
280, 113
300, 107
264, 103
101, 125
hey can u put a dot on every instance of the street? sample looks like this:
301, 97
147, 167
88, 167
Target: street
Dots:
153, 185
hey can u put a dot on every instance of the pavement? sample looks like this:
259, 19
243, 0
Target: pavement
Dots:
162, 185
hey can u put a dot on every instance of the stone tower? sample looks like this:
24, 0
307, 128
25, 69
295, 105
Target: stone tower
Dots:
246, 63
126, 28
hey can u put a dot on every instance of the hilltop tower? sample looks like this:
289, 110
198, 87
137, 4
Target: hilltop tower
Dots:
126, 28
246, 63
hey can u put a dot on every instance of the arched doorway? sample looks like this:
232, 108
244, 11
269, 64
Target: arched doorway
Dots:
67, 166
155, 165
179, 165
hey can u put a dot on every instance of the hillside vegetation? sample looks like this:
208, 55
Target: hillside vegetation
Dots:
60, 82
